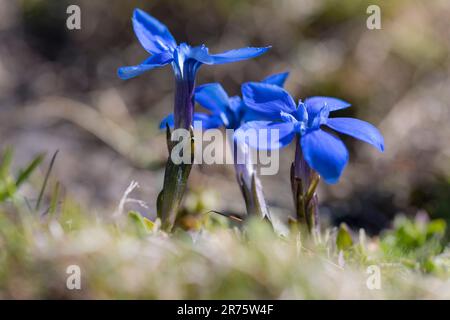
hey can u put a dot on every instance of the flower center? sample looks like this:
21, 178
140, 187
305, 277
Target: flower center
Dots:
299, 126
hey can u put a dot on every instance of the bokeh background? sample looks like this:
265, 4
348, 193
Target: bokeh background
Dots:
59, 91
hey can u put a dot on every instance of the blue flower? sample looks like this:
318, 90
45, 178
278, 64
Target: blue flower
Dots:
185, 60
323, 152
230, 112
157, 40
225, 111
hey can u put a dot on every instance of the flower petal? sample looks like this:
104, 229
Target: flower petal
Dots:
152, 34
325, 153
213, 97
265, 135
315, 104
267, 99
277, 79
199, 53
206, 121
358, 129
233, 55
252, 115
169, 120
236, 104
155, 61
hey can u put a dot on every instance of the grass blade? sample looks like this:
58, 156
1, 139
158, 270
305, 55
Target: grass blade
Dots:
24, 174
44, 185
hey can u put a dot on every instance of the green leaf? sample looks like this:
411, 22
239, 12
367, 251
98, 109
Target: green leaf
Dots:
142, 222
24, 174
344, 239
436, 227
9, 184
149, 224
5, 163
47, 176
175, 182
54, 200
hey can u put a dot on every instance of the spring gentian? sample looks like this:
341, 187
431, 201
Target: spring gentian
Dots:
324, 152
157, 40
317, 151
230, 113
225, 111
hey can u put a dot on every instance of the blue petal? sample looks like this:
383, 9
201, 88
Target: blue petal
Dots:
301, 113
253, 115
213, 97
169, 120
207, 121
267, 99
358, 129
236, 104
325, 153
315, 104
277, 79
265, 135
152, 34
319, 118
187, 60
155, 61
199, 53
233, 55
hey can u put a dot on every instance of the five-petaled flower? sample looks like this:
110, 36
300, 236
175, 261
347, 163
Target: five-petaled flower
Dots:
157, 40
323, 152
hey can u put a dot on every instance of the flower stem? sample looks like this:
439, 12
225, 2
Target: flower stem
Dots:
304, 183
176, 175
249, 183
184, 103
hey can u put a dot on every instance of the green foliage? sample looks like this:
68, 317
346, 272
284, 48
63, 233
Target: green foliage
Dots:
208, 256
344, 239
44, 184
9, 183
132, 258
143, 225
417, 242
175, 181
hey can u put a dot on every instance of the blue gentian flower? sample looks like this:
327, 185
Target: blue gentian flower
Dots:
323, 152
225, 111
157, 40
230, 112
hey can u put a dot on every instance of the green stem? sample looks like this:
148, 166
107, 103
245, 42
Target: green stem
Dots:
304, 183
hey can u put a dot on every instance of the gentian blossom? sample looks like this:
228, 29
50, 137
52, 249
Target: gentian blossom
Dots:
323, 152
157, 40
225, 111
230, 113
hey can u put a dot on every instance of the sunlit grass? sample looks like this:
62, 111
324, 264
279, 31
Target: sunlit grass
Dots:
124, 255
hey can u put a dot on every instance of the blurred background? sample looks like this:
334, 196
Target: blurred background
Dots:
59, 91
